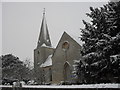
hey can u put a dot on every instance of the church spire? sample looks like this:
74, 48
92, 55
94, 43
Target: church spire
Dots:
44, 38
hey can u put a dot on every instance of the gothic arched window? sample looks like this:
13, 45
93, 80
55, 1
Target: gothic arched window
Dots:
65, 45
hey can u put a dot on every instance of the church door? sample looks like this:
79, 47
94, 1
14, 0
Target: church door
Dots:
67, 72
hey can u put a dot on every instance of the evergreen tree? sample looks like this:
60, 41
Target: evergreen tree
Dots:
101, 51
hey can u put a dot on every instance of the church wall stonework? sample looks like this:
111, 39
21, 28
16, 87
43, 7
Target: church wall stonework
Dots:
40, 55
60, 57
55, 65
47, 75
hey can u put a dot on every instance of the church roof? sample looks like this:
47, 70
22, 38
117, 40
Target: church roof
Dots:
48, 62
44, 34
74, 37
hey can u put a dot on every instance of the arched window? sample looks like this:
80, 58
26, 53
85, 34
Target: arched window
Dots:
65, 45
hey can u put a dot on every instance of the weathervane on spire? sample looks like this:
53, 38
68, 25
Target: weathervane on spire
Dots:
43, 10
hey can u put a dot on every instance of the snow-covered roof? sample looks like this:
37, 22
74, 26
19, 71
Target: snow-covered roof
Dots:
44, 45
48, 62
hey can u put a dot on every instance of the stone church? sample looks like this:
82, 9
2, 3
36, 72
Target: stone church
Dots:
54, 65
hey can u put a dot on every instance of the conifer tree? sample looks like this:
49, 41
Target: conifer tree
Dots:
101, 51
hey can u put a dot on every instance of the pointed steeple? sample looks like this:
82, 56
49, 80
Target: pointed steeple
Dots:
44, 38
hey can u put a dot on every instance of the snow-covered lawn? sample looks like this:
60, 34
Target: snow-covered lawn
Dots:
71, 86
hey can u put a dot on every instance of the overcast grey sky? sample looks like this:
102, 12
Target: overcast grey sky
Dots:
21, 23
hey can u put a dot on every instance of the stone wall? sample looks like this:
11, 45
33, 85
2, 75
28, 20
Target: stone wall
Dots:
60, 57
61, 88
40, 55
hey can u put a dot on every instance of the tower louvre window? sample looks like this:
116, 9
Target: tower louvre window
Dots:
38, 52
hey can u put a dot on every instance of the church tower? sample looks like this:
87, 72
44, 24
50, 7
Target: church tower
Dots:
43, 51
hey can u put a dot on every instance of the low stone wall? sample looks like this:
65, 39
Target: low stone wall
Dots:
65, 87
60, 88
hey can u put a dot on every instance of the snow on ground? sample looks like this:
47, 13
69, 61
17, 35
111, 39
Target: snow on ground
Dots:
77, 86
71, 86
5, 86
